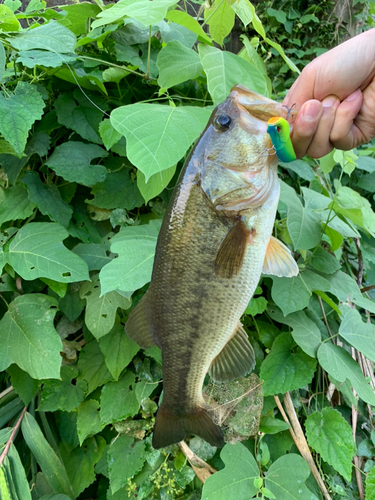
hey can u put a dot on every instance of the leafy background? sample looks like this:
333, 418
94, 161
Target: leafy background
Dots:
99, 106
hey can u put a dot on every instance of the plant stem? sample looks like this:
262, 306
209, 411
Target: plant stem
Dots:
147, 75
12, 436
113, 65
6, 391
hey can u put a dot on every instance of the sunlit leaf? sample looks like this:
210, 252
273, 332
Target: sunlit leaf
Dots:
224, 70
162, 146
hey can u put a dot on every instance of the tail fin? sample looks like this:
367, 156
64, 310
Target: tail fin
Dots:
171, 428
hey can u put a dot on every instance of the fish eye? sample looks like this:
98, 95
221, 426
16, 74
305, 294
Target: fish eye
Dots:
222, 123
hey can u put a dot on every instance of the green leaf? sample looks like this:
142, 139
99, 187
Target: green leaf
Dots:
118, 350
283, 370
77, 16
25, 386
305, 332
63, 394
256, 306
370, 485
301, 168
101, 309
19, 478
324, 261
243, 10
83, 118
271, 425
177, 32
51, 466
18, 112
109, 135
8, 21
267, 332
177, 64
114, 75
183, 19
280, 50
28, 337
319, 203
144, 11
357, 333
125, 459
327, 162
155, 184
133, 267
224, 70
304, 226
15, 204
290, 294
341, 366
118, 401
48, 199
92, 367
52, 36
278, 14
37, 251
220, 19
80, 170
118, 190
71, 305
32, 58
162, 146
330, 435
352, 205
88, 420
81, 461
286, 477
236, 480
94, 254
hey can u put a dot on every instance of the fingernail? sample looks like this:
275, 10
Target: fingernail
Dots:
311, 110
353, 96
329, 101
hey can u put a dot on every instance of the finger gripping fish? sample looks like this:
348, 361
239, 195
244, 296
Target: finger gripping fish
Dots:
214, 243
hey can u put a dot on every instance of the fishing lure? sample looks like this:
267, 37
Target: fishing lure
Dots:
278, 129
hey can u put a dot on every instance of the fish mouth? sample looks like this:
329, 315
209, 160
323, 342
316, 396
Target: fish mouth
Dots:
257, 105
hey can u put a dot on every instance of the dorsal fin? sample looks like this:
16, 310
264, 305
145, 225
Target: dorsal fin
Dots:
137, 326
279, 260
235, 360
229, 257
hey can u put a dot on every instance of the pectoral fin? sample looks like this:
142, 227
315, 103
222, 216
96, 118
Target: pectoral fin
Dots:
235, 360
137, 326
279, 260
229, 257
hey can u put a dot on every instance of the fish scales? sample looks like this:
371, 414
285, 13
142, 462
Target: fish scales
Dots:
209, 257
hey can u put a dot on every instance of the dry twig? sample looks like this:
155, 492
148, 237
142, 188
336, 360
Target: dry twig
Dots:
300, 440
202, 469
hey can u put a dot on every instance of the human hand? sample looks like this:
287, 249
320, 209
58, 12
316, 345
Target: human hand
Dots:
335, 96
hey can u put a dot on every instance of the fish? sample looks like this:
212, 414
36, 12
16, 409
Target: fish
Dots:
214, 243
279, 131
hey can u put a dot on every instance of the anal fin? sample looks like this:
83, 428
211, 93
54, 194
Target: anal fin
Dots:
137, 327
279, 260
229, 257
235, 360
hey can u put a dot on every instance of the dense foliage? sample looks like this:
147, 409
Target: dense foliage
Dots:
99, 106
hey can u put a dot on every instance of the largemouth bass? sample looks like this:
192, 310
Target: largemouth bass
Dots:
214, 243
